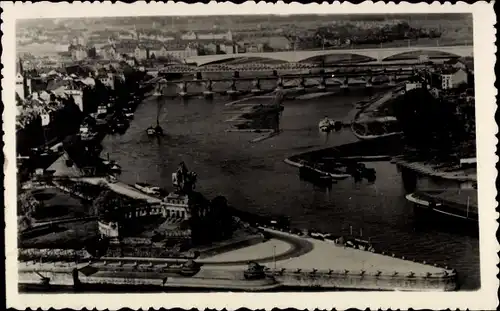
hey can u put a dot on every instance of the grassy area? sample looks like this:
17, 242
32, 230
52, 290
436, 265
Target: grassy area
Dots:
68, 236
57, 204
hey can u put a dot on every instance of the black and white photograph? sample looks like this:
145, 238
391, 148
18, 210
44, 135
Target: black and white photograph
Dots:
166, 154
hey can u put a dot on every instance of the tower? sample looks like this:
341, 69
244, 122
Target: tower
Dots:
20, 82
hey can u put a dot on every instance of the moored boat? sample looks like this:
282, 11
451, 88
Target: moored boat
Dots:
326, 125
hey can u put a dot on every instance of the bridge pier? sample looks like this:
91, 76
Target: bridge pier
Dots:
208, 93
345, 85
232, 89
392, 80
322, 82
76, 280
256, 86
302, 85
369, 82
183, 89
279, 86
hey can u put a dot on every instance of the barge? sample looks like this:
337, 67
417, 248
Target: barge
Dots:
456, 203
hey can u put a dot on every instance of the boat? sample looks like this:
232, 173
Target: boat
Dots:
127, 113
322, 174
147, 188
326, 125
459, 204
156, 130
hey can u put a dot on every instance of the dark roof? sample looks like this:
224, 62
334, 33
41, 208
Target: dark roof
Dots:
38, 84
449, 71
56, 83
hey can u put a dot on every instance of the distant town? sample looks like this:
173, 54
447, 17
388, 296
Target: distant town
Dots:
57, 42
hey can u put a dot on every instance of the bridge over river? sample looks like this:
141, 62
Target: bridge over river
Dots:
377, 54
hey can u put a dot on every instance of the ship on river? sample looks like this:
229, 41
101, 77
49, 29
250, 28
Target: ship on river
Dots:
460, 204
157, 130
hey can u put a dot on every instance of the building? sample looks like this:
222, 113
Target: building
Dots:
413, 85
175, 208
141, 52
20, 86
107, 79
211, 48
189, 36
452, 78
179, 50
78, 52
228, 48
23, 82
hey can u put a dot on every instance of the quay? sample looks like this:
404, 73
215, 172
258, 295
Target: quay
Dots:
285, 260
301, 263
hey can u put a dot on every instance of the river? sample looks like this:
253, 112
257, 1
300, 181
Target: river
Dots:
254, 178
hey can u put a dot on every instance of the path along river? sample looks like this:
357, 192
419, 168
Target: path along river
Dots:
254, 177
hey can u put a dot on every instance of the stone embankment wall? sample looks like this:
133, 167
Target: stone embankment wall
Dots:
367, 281
292, 279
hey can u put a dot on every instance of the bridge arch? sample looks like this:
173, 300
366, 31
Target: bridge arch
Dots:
240, 59
337, 57
433, 52
378, 54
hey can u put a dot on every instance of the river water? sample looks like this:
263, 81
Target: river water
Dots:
254, 178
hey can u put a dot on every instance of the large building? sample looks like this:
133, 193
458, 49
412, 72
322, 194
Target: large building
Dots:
175, 209
453, 77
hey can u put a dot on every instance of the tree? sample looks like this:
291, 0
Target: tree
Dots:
27, 204
430, 125
111, 206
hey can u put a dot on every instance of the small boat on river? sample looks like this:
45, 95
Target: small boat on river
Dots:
326, 125
156, 130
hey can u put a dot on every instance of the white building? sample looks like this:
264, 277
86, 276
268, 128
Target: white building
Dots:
451, 79
189, 36
20, 86
140, 53
413, 85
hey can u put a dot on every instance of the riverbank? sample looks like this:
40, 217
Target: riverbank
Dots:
352, 269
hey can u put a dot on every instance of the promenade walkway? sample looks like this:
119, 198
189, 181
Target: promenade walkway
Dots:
121, 188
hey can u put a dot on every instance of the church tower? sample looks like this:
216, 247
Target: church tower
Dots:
20, 81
